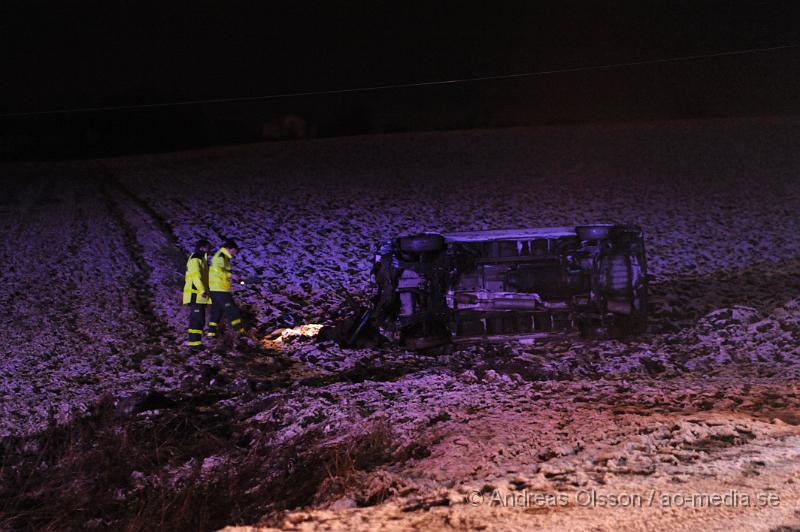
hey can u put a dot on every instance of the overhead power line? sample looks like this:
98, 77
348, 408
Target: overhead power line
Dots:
405, 85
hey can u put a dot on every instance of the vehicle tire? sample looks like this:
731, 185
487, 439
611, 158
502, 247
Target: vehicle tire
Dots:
422, 243
592, 232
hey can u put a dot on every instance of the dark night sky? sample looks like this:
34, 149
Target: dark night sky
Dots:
99, 53
69, 54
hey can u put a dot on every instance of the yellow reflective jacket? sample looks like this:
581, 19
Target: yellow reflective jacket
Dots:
219, 271
196, 279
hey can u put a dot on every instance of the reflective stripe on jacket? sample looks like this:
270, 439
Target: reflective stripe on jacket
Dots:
219, 271
196, 279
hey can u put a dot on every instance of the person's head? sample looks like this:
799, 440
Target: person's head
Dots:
231, 246
203, 245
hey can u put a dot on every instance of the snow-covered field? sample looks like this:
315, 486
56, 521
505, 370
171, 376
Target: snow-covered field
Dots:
708, 401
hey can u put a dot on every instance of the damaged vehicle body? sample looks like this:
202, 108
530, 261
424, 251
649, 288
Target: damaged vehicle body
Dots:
432, 289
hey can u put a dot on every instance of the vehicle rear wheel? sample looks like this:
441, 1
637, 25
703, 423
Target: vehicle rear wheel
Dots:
423, 243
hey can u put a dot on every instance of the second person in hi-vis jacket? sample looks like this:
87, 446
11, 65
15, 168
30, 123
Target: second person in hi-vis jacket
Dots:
219, 280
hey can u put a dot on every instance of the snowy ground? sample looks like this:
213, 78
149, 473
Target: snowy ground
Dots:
707, 402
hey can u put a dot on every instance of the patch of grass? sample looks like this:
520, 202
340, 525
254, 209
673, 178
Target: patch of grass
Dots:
147, 472
108, 472
347, 467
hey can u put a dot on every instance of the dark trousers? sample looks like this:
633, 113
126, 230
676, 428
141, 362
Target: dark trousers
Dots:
197, 319
222, 303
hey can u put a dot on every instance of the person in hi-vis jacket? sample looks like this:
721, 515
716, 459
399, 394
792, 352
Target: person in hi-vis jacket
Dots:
219, 278
196, 292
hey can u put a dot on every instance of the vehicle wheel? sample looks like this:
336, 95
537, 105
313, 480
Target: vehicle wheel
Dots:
592, 232
422, 243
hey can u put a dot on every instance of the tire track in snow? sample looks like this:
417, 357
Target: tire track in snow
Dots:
140, 278
74, 331
151, 242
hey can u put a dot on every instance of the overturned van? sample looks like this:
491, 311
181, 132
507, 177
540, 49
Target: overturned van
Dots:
435, 288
